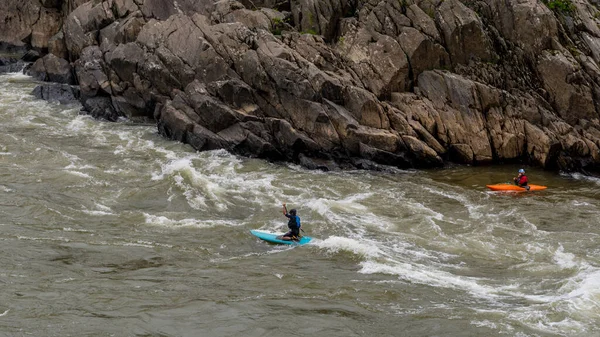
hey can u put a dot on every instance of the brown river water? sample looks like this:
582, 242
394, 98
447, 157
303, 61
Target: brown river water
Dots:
108, 229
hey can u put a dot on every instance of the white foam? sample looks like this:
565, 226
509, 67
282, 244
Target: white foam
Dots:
350, 204
584, 290
565, 260
78, 124
335, 244
72, 166
579, 176
18, 75
159, 220
422, 274
172, 166
97, 212
212, 180
471, 207
485, 324
103, 208
135, 244
79, 174
69, 229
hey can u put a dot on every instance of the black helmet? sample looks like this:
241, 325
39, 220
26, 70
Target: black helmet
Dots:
293, 211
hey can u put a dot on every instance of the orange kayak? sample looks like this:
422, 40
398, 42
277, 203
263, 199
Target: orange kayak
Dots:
515, 188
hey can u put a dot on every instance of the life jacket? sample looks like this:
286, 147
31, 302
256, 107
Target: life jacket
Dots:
294, 222
523, 181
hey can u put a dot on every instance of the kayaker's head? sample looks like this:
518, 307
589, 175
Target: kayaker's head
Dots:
293, 211
521, 171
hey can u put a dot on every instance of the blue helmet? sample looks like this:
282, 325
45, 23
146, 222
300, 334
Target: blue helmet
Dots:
521, 171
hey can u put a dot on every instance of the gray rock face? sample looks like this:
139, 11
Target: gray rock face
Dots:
31, 23
17, 19
335, 83
463, 32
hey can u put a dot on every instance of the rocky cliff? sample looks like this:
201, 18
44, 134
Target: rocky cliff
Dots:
335, 83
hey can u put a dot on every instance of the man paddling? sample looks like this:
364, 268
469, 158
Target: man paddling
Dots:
521, 179
293, 225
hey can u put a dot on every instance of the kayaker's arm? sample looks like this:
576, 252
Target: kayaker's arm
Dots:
284, 210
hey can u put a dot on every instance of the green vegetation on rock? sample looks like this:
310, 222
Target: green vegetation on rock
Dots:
560, 6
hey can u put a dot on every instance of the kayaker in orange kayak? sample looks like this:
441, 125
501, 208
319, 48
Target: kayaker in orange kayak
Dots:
521, 184
521, 179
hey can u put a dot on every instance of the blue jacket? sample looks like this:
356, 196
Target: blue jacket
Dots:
294, 221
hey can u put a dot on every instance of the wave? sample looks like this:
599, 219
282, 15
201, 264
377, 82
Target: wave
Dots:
163, 221
581, 177
337, 244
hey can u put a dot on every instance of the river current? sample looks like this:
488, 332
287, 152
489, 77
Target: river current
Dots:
108, 229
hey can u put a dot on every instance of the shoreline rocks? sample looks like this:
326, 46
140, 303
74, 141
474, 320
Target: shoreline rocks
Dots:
339, 85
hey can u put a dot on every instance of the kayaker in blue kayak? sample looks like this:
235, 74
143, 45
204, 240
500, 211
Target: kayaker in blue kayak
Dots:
293, 224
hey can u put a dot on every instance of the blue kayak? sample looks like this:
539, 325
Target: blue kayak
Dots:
274, 238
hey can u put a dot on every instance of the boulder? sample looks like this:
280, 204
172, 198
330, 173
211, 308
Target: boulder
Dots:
47, 25
378, 60
57, 46
52, 69
90, 72
55, 92
100, 107
527, 23
319, 16
82, 25
569, 93
463, 32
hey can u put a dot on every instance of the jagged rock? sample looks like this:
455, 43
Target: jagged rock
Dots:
125, 60
17, 19
463, 32
13, 67
318, 163
423, 22
384, 157
378, 60
100, 107
569, 92
57, 46
62, 93
51, 3
319, 16
52, 69
4, 61
90, 73
162, 10
527, 23
30, 56
123, 8
131, 104
47, 25
423, 155
82, 25
251, 19
423, 54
